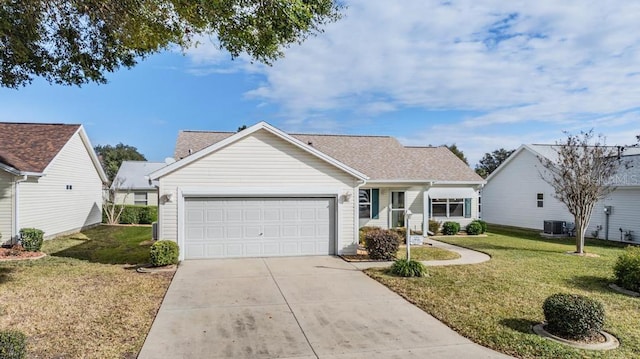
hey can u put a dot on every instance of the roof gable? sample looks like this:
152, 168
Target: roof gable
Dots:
228, 139
381, 158
30, 147
134, 174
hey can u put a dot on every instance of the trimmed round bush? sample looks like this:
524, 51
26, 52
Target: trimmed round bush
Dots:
163, 253
573, 316
627, 269
411, 268
382, 244
434, 226
13, 345
483, 224
474, 228
450, 228
31, 239
363, 232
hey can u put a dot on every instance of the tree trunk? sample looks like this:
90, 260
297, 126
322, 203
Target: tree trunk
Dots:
580, 237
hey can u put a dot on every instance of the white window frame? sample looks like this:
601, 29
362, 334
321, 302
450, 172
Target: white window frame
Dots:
368, 190
448, 203
539, 200
392, 209
136, 201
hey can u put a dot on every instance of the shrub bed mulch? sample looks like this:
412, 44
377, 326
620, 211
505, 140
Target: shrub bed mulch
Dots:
11, 254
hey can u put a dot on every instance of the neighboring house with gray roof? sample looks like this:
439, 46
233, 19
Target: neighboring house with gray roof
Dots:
50, 179
132, 183
516, 195
263, 192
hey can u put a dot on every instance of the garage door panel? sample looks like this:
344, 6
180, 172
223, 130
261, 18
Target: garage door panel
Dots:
255, 227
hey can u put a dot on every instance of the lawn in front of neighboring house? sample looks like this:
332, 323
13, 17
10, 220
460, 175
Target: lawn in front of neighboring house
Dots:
85, 299
496, 303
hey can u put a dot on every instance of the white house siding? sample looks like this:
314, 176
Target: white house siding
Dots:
261, 162
124, 198
47, 204
6, 206
509, 198
624, 214
413, 200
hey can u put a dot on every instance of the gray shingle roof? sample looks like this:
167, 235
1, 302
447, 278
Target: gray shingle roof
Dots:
379, 157
133, 173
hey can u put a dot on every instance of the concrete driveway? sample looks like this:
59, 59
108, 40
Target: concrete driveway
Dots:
297, 307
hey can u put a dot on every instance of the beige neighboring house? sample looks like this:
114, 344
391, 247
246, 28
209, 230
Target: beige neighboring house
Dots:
134, 187
263, 192
50, 179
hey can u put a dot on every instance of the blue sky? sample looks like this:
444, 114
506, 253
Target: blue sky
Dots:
481, 74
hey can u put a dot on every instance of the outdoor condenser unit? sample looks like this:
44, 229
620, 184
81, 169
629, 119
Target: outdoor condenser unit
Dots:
554, 227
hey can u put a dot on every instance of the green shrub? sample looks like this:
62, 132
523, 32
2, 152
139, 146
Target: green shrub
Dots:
31, 239
627, 269
450, 228
483, 224
363, 232
129, 215
411, 268
434, 226
135, 214
13, 345
474, 228
382, 244
573, 316
402, 233
164, 253
147, 214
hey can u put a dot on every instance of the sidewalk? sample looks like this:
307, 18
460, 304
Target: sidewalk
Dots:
467, 256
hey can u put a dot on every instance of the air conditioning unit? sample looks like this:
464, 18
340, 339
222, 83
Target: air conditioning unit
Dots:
154, 231
554, 227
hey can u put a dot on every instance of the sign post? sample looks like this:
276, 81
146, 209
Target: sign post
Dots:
407, 215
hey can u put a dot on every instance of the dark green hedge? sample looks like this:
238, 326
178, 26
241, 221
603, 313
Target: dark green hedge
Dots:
136, 215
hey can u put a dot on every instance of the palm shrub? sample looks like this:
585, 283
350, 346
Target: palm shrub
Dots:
13, 344
474, 228
163, 253
573, 316
434, 226
382, 244
627, 269
450, 228
408, 268
31, 239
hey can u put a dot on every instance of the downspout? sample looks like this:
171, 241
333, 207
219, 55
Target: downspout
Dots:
16, 206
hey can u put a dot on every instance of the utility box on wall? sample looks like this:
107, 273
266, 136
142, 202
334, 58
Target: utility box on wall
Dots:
608, 210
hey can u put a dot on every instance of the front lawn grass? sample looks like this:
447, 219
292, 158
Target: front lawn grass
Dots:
426, 253
78, 307
496, 303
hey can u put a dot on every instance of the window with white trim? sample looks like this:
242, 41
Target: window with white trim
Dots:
364, 199
449, 207
140, 198
397, 209
540, 200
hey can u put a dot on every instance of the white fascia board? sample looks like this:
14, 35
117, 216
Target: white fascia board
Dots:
425, 182
17, 172
244, 133
260, 191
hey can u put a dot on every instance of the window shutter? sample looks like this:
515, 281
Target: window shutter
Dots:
467, 208
429, 208
375, 200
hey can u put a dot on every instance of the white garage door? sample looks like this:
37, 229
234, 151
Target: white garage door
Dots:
258, 227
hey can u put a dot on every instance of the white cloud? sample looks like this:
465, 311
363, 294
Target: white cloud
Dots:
570, 64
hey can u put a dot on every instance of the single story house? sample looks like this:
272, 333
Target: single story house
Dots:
516, 195
263, 192
50, 179
132, 185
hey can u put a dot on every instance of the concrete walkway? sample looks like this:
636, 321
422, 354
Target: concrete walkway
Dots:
467, 256
296, 307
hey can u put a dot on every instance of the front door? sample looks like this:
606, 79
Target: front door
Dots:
397, 209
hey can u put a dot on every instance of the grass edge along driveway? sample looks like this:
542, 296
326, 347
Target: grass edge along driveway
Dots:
496, 303
72, 305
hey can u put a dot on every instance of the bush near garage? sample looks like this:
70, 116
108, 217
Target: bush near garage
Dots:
627, 269
450, 228
362, 232
13, 345
573, 316
382, 244
31, 239
164, 253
